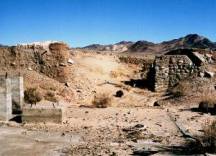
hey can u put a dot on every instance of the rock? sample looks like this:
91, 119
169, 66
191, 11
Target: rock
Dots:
29, 68
62, 64
208, 55
139, 126
66, 84
157, 103
201, 74
119, 93
63, 134
209, 74
13, 64
180, 61
70, 61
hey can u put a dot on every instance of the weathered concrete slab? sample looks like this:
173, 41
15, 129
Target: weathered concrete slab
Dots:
40, 113
5, 99
20, 142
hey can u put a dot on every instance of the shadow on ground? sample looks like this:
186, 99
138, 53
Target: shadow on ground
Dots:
192, 148
140, 83
212, 111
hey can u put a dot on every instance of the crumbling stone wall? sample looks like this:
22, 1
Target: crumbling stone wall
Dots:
170, 69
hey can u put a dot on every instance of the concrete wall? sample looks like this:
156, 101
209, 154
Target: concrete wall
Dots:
5, 99
17, 93
42, 115
170, 69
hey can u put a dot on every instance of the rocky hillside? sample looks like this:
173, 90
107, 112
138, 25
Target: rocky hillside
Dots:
44, 65
50, 60
189, 41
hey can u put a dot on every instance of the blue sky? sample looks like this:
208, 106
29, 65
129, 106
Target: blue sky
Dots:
83, 22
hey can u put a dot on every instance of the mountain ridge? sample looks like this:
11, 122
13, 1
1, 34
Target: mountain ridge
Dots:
143, 46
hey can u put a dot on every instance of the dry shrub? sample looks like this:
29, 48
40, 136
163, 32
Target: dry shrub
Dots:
114, 74
117, 73
120, 72
32, 96
101, 100
182, 89
49, 86
208, 100
209, 138
67, 94
50, 96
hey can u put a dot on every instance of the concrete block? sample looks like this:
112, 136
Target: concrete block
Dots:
42, 114
5, 99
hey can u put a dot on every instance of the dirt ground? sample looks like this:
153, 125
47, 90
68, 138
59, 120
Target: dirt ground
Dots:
109, 131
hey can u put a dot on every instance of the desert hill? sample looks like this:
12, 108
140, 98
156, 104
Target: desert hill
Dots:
142, 46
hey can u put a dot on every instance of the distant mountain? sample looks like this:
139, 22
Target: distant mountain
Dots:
117, 47
94, 47
189, 41
124, 43
1, 45
140, 46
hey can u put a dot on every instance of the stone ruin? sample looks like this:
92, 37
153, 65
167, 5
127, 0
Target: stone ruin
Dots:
12, 104
176, 65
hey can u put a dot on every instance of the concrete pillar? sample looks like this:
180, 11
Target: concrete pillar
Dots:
5, 99
17, 93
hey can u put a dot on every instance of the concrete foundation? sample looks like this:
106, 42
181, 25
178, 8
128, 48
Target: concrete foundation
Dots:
44, 114
5, 99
